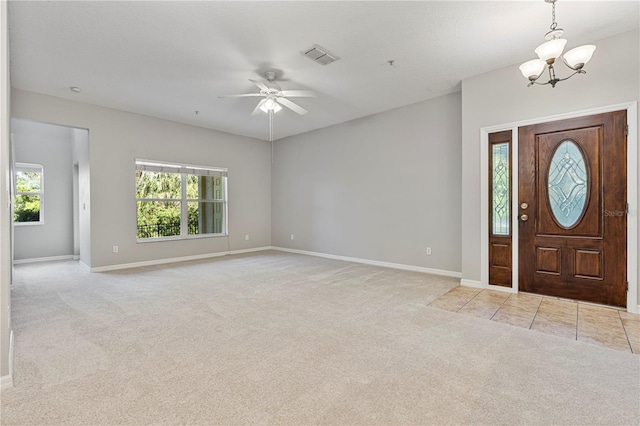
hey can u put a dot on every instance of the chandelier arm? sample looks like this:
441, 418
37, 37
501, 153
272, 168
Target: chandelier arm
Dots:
576, 72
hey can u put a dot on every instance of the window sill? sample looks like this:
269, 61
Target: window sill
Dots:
28, 223
178, 238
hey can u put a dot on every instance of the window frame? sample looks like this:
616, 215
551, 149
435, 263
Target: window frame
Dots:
184, 170
28, 167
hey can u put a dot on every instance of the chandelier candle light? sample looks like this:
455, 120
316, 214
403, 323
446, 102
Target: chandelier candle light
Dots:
551, 50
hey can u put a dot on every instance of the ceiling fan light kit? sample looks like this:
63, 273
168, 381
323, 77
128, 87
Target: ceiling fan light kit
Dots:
274, 98
549, 51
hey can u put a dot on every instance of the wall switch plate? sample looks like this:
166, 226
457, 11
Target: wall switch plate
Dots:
292, 236
115, 249
429, 251
246, 237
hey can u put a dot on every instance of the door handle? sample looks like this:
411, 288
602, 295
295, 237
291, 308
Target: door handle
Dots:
524, 217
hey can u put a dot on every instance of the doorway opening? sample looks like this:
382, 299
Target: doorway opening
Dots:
50, 192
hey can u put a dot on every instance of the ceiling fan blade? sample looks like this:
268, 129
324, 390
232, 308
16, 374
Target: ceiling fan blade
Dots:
294, 107
298, 93
257, 110
260, 84
240, 96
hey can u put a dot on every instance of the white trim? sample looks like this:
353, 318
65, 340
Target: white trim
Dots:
173, 260
632, 192
76, 257
249, 250
7, 381
632, 216
472, 283
501, 288
43, 259
84, 266
374, 262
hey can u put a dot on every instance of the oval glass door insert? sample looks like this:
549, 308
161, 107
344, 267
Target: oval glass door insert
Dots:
568, 184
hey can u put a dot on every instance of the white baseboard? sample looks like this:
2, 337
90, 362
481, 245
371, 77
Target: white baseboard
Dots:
173, 260
501, 288
374, 262
76, 257
7, 381
471, 283
84, 266
251, 250
43, 259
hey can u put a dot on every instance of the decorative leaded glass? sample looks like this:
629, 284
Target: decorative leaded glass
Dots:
568, 184
501, 198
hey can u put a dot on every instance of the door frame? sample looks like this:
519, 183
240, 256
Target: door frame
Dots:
632, 195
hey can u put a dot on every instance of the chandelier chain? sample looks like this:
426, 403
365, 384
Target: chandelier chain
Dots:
554, 24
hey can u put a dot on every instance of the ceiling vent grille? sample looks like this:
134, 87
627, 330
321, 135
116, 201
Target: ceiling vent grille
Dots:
320, 55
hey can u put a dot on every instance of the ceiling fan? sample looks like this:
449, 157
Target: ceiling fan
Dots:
274, 98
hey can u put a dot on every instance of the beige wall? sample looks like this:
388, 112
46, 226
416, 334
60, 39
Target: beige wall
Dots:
502, 96
116, 138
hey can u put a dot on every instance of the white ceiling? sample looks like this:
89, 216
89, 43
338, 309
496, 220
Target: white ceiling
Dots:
169, 59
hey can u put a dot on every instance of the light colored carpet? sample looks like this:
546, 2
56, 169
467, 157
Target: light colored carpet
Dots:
275, 338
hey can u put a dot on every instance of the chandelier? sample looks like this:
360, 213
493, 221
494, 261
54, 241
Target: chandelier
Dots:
549, 51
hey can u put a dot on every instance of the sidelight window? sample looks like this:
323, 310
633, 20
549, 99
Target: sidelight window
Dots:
500, 189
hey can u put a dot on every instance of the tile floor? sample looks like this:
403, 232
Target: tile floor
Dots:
599, 325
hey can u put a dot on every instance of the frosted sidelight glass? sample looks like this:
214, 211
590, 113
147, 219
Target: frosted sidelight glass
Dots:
501, 197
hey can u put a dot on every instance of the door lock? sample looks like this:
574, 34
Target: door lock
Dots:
524, 206
524, 217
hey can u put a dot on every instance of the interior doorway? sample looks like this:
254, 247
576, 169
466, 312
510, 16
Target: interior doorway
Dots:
50, 192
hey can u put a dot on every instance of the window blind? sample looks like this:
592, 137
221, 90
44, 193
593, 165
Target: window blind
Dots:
161, 167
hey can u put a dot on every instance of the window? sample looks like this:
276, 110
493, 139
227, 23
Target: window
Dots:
180, 201
29, 191
500, 188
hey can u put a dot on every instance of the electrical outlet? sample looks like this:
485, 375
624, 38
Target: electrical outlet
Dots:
429, 251
115, 249
246, 237
292, 236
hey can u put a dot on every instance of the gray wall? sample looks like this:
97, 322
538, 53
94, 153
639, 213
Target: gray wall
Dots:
116, 138
384, 187
502, 97
50, 146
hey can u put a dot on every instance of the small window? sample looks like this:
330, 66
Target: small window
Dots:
175, 201
29, 194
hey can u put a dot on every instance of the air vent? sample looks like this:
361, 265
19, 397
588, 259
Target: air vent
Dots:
320, 55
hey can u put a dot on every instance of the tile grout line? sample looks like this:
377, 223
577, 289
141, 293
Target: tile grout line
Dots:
577, 316
535, 315
498, 310
625, 333
476, 295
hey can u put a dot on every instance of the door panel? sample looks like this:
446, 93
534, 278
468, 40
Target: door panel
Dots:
571, 173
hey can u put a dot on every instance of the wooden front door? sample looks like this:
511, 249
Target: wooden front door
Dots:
572, 208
